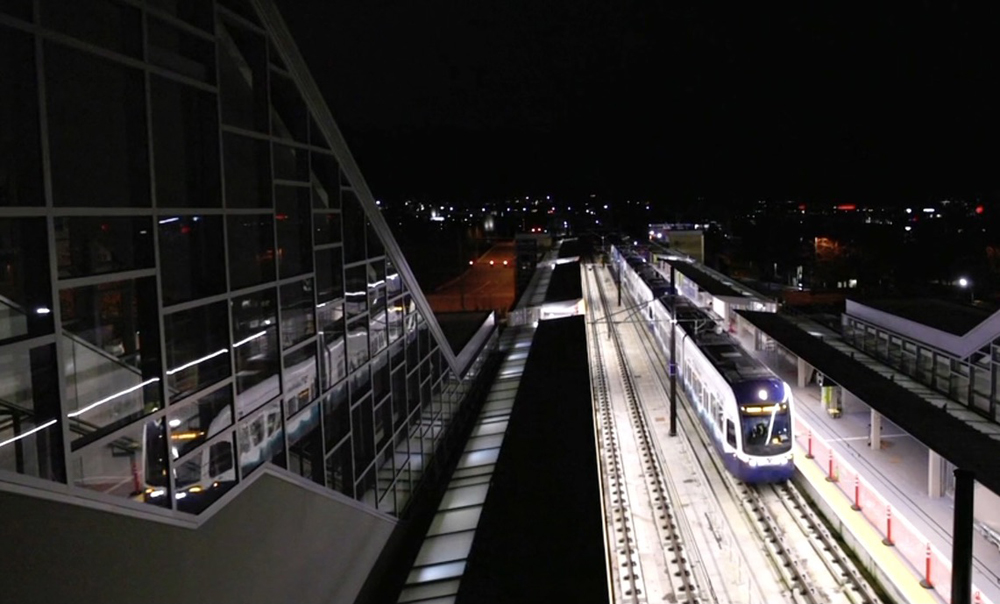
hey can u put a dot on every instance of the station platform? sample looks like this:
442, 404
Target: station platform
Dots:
892, 487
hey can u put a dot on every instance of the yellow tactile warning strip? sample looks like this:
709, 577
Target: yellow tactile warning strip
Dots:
905, 580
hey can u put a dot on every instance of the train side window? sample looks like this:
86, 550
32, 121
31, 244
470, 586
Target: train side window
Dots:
730, 433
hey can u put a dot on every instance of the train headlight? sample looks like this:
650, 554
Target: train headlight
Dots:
762, 394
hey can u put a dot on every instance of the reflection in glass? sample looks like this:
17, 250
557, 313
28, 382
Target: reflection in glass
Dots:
340, 470
197, 349
362, 434
192, 258
336, 416
399, 410
206, 475
242, 77
299, 379
25, 289
261, 438
353, 216
393, 283
380, 376
185, 145
361, 385
112, 97
305, 448
111, 338
332, 345
248, 172
294, 221
291, 163
327, 228
30, 433
199, 420
289, 118
97, 245
356, 291
329, 275
298, 320
180, 51
374, 243
132, 465
357, 345
194, 12
20, 142
255, 335
251, 249
326, 181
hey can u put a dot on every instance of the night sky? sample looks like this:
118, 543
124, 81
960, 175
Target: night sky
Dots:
661, 100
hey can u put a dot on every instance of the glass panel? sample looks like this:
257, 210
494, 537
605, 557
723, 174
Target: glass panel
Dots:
30, 434
293, 214
326, 181
361, 385
336, 416
356, 293
362, 433
398, 397
327, 228
194, 12
354, 225
89, 100
396, 354
192, 258
305, 449
25, 288
132, 465
242, 77
261, 438
20, 141
291, 163
298, 320
198, 420
340, 470
255, 344
289, 118
375, 248
185, 146
357, 345
205, 476
251, 250
380, 376
395, 319
93, 246
394, 284
364, 490
299, 379
197, 349
248, 172
181, 52
329, 275
106, 24
332, 343
112, 340
382, 423
316, 135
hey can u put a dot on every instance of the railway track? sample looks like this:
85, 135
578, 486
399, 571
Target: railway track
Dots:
807, 564
635, 492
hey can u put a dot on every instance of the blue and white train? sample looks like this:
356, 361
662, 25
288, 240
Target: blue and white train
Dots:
744, 407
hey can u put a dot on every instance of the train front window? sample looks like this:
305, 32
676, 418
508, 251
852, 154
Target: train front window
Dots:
766, 429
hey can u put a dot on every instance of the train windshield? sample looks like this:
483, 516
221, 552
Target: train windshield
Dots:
766, 429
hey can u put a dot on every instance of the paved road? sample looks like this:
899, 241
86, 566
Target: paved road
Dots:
487, 284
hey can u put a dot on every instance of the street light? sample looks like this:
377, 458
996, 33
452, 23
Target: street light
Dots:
963, 283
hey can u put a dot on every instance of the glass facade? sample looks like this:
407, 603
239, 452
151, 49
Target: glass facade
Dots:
971, 381
190, 286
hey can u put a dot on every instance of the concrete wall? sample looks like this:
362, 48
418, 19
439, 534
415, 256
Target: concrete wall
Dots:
276, 541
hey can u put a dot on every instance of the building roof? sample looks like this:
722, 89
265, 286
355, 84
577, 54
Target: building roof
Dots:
950, 437
703, 280
540, 536
564, 284
950, 317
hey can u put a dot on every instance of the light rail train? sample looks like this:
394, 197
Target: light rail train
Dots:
745, 409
